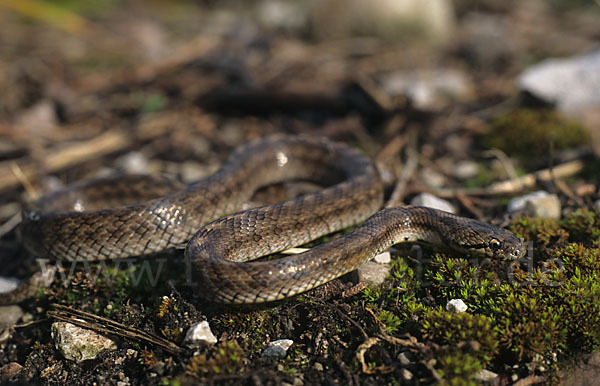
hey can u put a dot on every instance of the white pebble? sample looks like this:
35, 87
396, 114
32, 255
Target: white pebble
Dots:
456, 306
8, 284
200, 333
431, 201
537, 204
373, 273
383, 258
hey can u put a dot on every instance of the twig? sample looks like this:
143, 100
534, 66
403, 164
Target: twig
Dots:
18, 173
530, 380
515, 186
360, 356
407, 172
10, 224
110, 327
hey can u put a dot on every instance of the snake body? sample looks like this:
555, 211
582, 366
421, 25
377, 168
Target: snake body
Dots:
71, 224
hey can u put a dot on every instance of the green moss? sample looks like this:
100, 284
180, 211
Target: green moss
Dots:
529, 132
225, 358
547, 303
454, 329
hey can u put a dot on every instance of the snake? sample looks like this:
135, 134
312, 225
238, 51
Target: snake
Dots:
121, 217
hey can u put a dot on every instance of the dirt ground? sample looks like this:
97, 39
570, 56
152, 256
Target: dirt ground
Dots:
170, 89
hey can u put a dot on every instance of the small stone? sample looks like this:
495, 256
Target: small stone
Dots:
514, 377
537, 204
466, 169
431, 201
428, 89
318, 366
134, 162
373, 273
9, 315
383, 258
433, 178
597, 204
404, 358
10, 370
79, 344
8, 284
200, 333
485, 376
456, 306
406, 375
298, 382
277, 349
570, 83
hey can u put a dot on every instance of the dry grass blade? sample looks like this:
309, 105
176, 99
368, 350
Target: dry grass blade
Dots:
110, 327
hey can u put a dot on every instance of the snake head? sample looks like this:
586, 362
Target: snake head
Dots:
489, 241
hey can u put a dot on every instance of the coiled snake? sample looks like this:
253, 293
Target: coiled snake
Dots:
70, 225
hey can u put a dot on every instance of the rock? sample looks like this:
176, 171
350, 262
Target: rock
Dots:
570, 83
373, 273
431, 201
10, 315
277, 349
318, 366
200, 333
537, 204
466, 169
406, 375
10, 370
405, 358
79, 344
597, 204
486, 376
39, 120
456, 306
428, 89
383, 258
134, 162
387, 19
8, 284
432, 178
281, 15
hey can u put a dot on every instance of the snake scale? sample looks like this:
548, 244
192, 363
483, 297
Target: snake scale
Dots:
144, 215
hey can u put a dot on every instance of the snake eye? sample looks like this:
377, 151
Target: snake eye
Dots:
495, 244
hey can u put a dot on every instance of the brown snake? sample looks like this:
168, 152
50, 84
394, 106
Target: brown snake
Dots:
70, 225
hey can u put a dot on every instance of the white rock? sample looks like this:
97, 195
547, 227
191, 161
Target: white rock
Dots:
79, 344
383, 258
134, 162
200, 333
571, 83
466, 169
8, 284
537, 204
597, 204
485, 376
404, 358
277, 349
373, 273
10, 315
428, 89
456, 306
431, 201
406, 375
283, 15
